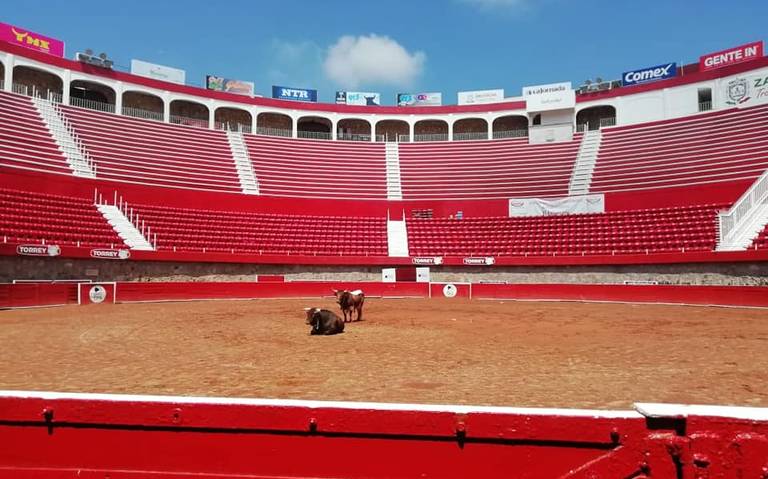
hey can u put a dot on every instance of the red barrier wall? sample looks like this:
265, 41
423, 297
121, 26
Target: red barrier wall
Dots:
131, 292
714, 295
21, 295
37, 294
132, 437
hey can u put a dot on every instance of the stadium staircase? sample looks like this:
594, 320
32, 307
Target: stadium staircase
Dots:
394, 183
128, 226
585, 163
243, 163
743, 222
66, 138
397, 238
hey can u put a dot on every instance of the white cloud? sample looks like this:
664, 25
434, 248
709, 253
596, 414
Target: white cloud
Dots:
380, 60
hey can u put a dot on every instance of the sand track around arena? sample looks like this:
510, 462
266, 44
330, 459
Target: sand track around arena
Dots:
456, 351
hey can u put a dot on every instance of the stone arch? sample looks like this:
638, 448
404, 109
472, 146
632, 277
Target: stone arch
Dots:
596, 116
470, 129
392, 130
234, 119
37, 82
353, 129
510, 126
192, 113
274, 124
430, 130
93, 95
143, 105
315, 127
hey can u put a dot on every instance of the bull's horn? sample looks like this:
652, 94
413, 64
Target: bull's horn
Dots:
307, 309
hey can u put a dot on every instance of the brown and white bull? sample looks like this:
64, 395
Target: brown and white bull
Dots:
350, 302
324, 322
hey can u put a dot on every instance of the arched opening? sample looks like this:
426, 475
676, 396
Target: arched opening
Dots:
143, 105
96, 96
2, 76
595, 117
185, 112
274, 124
470, 129
33, 82
430, 130
510, 126
353, 129
393, 130
314, 127
233, 119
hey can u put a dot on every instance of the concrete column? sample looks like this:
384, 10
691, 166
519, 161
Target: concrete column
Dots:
334, 125
294, 126
8, 77
119, 88
211, 114
450, 130
65, 86
166, 106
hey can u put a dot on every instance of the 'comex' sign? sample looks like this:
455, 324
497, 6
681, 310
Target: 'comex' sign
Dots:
659, 72
295, 94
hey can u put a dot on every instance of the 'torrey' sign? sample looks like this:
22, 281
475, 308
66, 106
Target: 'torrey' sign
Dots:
35, 41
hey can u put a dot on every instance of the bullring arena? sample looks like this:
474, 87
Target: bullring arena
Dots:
569, 283
437, 351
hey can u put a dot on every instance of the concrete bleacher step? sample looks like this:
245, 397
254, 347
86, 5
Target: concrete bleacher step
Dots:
584, 167
66, 138
397, 238
394, 181
131, 236
746, 233
243, 165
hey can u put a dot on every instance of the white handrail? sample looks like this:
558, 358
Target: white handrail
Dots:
731, 220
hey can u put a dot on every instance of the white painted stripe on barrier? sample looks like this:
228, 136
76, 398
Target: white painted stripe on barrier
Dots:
685, 410
458, 409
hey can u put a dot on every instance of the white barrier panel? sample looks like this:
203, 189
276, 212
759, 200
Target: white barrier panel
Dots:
557, 206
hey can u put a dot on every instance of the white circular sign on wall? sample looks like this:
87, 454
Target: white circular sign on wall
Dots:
449, 290
97, 294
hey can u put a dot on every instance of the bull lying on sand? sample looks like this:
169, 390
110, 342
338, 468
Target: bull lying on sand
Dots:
324, 322
350, 301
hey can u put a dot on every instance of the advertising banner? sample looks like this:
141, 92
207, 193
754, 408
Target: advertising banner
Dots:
732, 56
34, 41
228, 85
363, 98
650, 74
570, 205
158, 72
481, 96
553, 96
38, 250
295, 94
419, 99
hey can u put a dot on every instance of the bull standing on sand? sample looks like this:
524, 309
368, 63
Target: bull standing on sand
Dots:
350, 301
324, 322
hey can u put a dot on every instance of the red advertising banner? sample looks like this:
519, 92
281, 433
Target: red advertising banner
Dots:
742, 53
35, 41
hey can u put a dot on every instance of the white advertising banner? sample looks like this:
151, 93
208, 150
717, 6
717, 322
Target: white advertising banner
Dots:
158, 72
481, 97
554, 96
557, 206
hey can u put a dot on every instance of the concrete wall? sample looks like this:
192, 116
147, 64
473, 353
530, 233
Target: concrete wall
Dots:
737, 274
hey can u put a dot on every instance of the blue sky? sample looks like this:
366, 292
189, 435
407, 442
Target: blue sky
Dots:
398, 46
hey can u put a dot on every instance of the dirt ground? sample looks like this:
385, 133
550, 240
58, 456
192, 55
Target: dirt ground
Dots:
444, 351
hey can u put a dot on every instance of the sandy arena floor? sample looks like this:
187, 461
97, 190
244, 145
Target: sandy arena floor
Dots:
418, 351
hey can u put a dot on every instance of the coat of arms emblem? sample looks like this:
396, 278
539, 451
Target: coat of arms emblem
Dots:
737, 91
